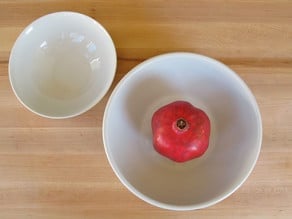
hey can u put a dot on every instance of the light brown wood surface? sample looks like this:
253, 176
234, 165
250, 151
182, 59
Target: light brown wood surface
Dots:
58, 168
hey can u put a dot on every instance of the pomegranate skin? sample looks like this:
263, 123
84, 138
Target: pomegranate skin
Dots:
180, 131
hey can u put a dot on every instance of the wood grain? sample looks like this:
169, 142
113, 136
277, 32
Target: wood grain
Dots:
58, 168
254, 30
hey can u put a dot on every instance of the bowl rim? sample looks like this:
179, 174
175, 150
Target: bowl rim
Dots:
121, 177
94, 101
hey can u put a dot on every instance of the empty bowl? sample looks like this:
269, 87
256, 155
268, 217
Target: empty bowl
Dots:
235, 141
62, 64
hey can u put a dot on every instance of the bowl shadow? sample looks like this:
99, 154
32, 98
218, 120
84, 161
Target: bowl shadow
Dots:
144, 98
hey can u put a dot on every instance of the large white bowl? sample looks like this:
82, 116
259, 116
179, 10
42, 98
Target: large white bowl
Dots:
62, 64
236, 131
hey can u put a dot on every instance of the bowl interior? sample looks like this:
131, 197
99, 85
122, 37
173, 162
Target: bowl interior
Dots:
62, 64
235, 131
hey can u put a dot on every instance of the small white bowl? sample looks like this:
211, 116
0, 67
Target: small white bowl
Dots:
62, 64
236, 131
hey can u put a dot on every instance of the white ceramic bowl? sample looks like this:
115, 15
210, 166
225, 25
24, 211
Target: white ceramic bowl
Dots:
236, 131
62, 64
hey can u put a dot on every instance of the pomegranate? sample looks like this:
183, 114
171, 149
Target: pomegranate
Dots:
180, 131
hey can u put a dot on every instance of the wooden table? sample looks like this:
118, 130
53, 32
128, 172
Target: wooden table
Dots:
58, 168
